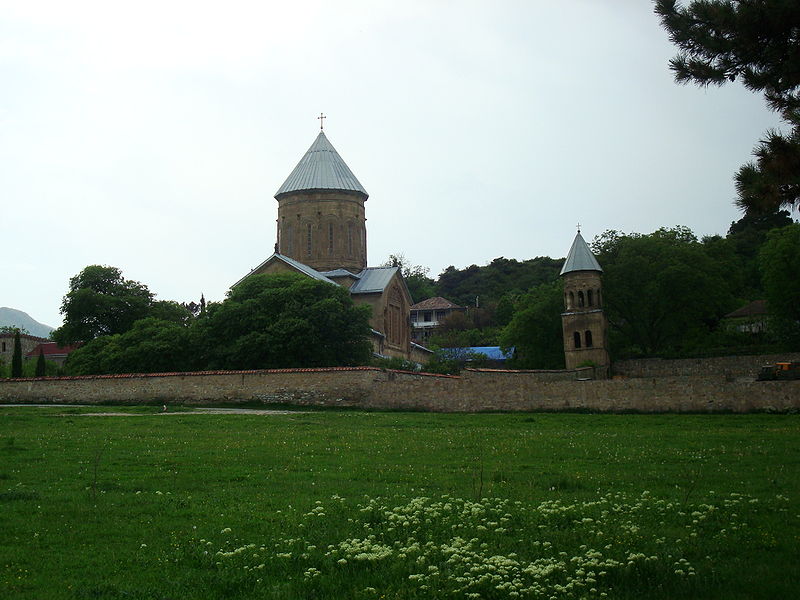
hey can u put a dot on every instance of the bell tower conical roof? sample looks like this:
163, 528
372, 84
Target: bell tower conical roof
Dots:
321, 169
580, 257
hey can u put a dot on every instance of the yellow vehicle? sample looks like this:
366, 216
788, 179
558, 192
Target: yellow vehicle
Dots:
780, 371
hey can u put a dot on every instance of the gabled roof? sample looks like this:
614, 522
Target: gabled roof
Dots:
321, 169
752, 309
51, 349
298, 266
437, 303
580, 258
373, 280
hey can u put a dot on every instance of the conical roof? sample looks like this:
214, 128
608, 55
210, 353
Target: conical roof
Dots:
580, 258
321, 169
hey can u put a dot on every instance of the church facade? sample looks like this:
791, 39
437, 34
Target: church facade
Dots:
321, 233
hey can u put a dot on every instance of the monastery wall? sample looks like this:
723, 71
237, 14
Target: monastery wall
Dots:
375, 389
731, 367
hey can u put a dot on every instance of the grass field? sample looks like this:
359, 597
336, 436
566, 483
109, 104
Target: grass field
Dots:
397, 505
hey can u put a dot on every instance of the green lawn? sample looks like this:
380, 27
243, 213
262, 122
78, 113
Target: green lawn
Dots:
397, 505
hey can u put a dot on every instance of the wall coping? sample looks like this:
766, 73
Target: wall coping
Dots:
234, 372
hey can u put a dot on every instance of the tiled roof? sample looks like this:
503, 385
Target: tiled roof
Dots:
437, 303
580, 258
321, 168
51, 349
753, 309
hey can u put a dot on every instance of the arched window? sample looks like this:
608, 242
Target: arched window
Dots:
288, 240
308, 239
577, 339
350, 239
599, 302
589, 298
580, 299
588, 337
571, 302
330, 238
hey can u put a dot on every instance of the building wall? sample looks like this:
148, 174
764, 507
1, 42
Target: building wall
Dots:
729, 367
337, 223
372, 388
27, 342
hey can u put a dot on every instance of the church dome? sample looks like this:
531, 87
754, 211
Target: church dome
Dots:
321, 169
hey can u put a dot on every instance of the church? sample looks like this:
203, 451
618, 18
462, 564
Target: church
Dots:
322, 233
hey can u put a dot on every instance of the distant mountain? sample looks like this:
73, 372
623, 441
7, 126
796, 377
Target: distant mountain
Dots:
12, 317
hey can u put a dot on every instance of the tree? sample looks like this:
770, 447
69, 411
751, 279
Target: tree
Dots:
662, 292
535, 329
780, 266
101, 302
285, 320
41, 367
754, 41
150, 346
420, 286
16, 357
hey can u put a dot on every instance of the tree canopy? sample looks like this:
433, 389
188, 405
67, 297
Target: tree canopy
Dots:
535, 329
780, 264
101, 302
755, 42
662, 291
285, 320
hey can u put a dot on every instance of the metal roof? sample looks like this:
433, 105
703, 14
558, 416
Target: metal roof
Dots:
373, 279
321, 169
580, 258
305, 269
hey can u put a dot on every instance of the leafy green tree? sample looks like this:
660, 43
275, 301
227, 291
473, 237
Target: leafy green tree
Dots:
174, 312
16, 357
754, 41
780, 266
41, 367
662, 291
535, 329
285, 320
486, 285
420, 286
149, 346
101, 302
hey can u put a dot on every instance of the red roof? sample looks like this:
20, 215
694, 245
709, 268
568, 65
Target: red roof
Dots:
51, 349
753, 309
437, 303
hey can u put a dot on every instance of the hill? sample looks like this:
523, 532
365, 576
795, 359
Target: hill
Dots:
11, 317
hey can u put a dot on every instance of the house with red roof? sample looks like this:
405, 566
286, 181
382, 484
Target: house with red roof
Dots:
52, 352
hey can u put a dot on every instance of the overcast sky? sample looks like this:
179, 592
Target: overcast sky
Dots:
151, 136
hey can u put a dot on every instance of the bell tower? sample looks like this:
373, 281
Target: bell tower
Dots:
583, 321
321, 217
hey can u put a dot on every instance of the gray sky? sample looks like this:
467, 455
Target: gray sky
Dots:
152, 135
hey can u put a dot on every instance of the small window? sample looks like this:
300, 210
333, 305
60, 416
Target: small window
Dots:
588, 337
577, 339
4, 346
330, 238
426, 316
308, 239
580, 299
571, 301
599, 302
589, 298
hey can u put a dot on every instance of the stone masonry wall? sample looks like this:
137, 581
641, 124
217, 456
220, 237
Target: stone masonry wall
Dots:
731, 367
373, 388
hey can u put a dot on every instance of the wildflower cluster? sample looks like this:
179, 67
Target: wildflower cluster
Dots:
452, 547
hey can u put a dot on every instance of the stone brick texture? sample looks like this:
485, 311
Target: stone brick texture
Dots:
723, 385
